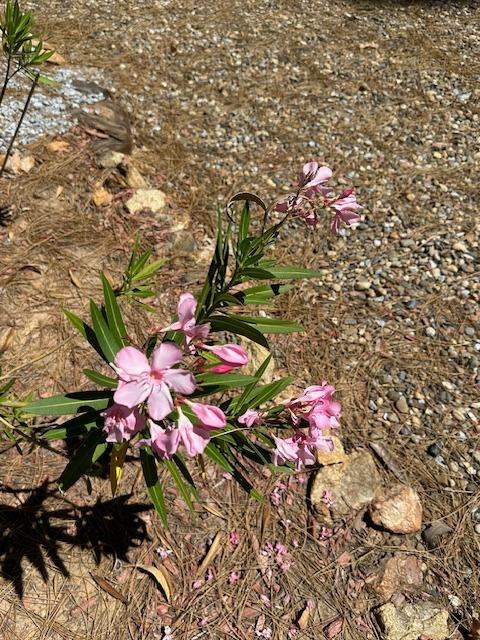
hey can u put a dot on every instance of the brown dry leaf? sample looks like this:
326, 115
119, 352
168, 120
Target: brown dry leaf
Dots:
381, 451
475, 630
106, 586
304, 618
6, 339
334, 628
101, 197
58, 146
74, 279
214, 511
211, 554
162, 576
58, 192
434, 531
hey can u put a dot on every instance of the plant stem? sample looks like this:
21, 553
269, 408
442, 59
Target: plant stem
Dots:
6, 79
24, 111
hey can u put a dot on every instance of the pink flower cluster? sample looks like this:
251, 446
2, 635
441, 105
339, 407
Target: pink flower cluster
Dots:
310, 415
312, 191
144, 391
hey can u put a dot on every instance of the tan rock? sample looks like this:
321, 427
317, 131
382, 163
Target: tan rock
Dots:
400, 573
256, 357
397, 509
331, 457
152, 199
412, 620
17, 164
353, 484
57, 146
101, 197
110, 159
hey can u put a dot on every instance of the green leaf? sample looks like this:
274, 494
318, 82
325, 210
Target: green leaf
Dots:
293, 273
270, 325
178, 459
114, 315
261, 294
83, 458
100, 379
69, 404
108, 344
244, 223
73, 428
265, 393
154, 488
256, 273
85, 330
238, 327
182, 487
224, 380
148, 271
214, 453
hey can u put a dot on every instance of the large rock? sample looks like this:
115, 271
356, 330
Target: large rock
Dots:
397, 509
412, 620
400, 574
353, 484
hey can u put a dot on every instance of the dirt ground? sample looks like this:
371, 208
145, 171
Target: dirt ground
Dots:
224, 97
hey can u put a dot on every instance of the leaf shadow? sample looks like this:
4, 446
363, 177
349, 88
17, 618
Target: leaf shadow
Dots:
34, 533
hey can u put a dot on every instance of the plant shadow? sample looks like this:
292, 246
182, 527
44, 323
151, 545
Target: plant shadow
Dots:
35, 533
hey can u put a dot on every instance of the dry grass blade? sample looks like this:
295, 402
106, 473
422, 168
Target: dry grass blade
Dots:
106, 586
212, 553
162, 576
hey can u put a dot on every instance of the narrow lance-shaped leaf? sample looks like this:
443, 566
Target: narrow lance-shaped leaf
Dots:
154, 488
83, 459
69, 403
238, 327
114, 315
109, 345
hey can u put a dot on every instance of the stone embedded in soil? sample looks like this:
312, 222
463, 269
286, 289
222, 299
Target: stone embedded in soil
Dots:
397, 509
400, 573
256, 357
146, 199
402, 405
335, 456
353, 484
412, 620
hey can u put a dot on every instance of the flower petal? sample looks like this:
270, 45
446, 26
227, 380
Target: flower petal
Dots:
132, 393
186, 308
208, 415
131, 363
166, 355
160, 402
180, 381
194, 439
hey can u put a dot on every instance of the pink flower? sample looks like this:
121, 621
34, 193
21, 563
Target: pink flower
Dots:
232, 356
326, 533
121, 422
186, 308
313, 175
345, 206
197, 584
163, 552
164, 442
327, 497
280, 549
208, 416
233, 578
193, 437
139, 381
234, 538
249, 418
286, 449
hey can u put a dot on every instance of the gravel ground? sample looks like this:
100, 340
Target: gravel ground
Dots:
233, 96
